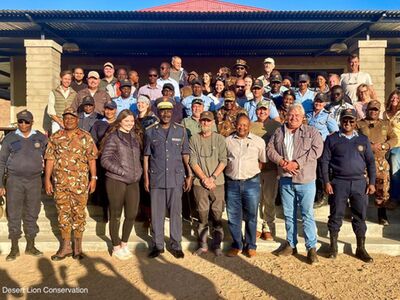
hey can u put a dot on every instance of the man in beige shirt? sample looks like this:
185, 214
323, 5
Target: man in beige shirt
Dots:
246, 158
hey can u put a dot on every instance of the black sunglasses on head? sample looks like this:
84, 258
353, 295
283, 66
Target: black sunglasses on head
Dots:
20, 121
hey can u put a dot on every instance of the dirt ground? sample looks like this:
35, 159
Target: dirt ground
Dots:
266, 276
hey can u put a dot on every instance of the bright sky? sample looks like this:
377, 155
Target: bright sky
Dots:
269, 4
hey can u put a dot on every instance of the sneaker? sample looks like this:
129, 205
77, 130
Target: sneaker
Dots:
120, 254
127, 252
218, 252
200, 251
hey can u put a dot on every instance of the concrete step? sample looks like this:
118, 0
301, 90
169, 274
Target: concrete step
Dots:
102, 243
97, 227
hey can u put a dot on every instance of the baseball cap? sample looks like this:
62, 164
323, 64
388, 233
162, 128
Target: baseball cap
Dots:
304, 77
229, 96
70, 111
168, 86
197, 101
93, 74
374, 104
108, 64
263, 103
87, 100
276, 78
25, 115
208, 115
322, 97
125, 82
110, 105
258, 84
348, 113
196, 81
165, 105
269, 60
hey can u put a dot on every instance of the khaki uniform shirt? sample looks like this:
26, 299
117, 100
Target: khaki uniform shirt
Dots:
378, 132
71, 157
265, 131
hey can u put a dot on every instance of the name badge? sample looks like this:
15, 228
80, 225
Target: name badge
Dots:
176, 139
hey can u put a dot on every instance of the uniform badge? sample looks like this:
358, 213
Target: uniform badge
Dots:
37, 145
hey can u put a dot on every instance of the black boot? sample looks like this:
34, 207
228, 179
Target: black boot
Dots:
333, 249
30, 247
14, 250
382, 217
361, 253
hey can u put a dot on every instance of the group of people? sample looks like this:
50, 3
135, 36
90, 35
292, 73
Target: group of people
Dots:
235, 140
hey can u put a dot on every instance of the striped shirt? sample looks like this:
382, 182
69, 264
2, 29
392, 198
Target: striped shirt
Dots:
289, 148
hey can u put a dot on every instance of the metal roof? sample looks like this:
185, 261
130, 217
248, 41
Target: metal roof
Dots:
140, 33
203, 6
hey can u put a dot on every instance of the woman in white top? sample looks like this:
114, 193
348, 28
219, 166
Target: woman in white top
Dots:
217, 96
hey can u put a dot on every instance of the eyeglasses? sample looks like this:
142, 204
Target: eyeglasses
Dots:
24, 121
152, 75
348, 121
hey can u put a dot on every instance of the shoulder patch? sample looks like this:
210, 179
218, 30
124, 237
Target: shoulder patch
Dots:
151, 126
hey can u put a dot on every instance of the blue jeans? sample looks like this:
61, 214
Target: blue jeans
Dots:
293, 195
395, 174
242, 198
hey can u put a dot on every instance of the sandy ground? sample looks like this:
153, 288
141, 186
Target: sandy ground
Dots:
264, 277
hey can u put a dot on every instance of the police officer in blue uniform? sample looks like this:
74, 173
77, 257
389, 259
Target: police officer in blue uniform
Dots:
166, 175
347, 154
21, 161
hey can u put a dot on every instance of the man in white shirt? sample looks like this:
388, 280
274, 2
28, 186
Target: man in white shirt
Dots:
165, 69
350, 81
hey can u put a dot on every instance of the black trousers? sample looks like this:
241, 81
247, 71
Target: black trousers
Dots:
23, 203
126, 196
355, 190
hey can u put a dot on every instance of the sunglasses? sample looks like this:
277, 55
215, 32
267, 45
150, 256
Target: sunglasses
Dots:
24, 121
373, 109
152, 75
240, 86
348, 121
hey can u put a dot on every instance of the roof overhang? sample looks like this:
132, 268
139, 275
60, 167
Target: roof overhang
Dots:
126, 33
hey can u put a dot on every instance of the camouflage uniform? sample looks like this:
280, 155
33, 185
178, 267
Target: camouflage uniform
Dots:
71, 168
380, 132
227, 126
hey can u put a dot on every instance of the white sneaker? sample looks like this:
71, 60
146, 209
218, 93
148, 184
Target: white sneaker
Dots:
120, 254
127, 252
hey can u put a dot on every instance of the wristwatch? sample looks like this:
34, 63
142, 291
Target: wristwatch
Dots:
94, 177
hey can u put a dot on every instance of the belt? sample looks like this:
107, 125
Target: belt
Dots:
242, 180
